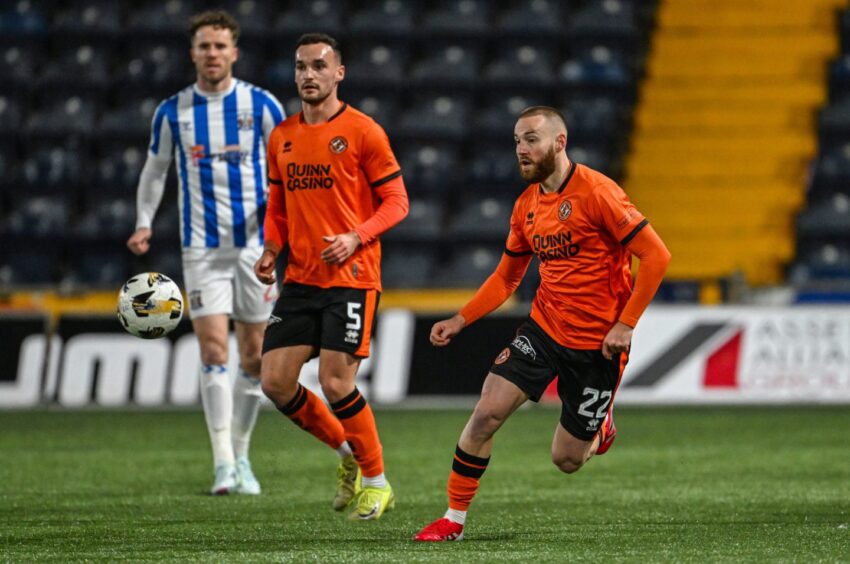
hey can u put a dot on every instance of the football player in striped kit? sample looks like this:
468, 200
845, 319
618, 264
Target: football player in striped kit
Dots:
217, 130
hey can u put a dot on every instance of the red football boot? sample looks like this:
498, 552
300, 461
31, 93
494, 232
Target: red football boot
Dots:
440, 530
609, 433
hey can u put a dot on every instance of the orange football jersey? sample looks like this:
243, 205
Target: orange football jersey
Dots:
579, 234
325, 176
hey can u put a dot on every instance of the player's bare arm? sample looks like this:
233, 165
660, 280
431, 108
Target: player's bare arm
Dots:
341, 247
140, 241
444, 331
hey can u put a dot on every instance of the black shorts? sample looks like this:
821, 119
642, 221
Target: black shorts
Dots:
337, 319
586, 380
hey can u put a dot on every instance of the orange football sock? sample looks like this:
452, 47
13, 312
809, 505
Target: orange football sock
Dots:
361, 432
463, 480
311, 414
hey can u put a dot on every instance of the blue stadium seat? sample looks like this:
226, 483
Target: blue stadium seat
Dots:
99, 268
22, 19
157, 67
612, 21
254, 16
822, 261
496, 118
598, 72
394, 18
468, 266
83, 68
485, 218
831, 173
453, 65
11, 115
424, 222
828, 218
834, 124
382, 109
20, 63
592, 119
439, 116
493, 165
118, 170
458, 18
32, 267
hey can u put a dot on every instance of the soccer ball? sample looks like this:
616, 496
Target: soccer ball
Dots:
150, 305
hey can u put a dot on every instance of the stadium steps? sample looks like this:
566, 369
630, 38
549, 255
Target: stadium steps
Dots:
725, 129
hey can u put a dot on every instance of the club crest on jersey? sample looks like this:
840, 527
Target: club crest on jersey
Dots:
503, 356
245, 121
564, 210
287, 147
338, 144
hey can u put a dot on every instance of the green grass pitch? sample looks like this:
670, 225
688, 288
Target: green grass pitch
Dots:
698, 484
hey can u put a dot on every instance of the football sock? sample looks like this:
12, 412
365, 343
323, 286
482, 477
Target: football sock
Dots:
378, 481
310, 413
218, 409
361, 432
463, 480
344, 449
456, 516
246, 403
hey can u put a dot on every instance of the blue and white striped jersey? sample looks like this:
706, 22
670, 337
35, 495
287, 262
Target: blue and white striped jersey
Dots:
219, 143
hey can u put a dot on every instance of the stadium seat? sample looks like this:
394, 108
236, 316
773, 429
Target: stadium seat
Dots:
612, 21
527, 65
496, 118
105, 268
404, 266
22, 19
834, 124
90, 18
482, 218
458, 18
314, 15
118, 169
424, 222
19, 63
441, 116
376, 64
106, 219
429, 167
532, 18
469, 266
493, 165
254, 17
162, 19
824, 261
598, 72
828, 218
394, 18
592, 119
453, 65
11, 115
831, 174
35, 266
382, 109
74, 114
52, 166
83, 68
154, 67
131, 120
38, 217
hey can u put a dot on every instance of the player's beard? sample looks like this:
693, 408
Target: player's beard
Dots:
317, 98
540, 171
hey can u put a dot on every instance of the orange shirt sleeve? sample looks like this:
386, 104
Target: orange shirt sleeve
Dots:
654, 258
619, 216
509, 273
275, 224
378, 160
392, 209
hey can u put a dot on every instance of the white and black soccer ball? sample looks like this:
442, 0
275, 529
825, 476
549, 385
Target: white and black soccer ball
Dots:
150, 305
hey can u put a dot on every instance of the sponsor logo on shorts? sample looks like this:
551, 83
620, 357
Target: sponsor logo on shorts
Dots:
195, 301
503, 356
523, 345
352, 336
274, 319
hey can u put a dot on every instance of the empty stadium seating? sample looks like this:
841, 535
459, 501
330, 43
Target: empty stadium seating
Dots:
445, 78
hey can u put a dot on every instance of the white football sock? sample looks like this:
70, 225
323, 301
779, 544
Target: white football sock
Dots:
218, 409
344, 449
378, 481
456, 516
246, 403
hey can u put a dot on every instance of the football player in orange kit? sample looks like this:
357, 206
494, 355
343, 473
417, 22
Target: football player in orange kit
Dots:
335, 186
584, 230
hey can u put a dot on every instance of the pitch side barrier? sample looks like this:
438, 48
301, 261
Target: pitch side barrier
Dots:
681, 355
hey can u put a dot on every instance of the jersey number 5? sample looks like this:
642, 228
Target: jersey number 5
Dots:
354, 315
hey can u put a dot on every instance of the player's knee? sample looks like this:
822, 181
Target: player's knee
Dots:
486, 420
334, 389
277, 390
566, 463
213, 352
250, 364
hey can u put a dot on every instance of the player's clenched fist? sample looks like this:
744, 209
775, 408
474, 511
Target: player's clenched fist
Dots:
443, 331
140, 241
618, 339
264, 267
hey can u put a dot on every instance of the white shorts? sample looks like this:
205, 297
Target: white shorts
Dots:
223, 281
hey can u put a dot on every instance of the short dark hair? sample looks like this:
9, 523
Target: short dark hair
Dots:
546, 111
313, 38
215, 18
